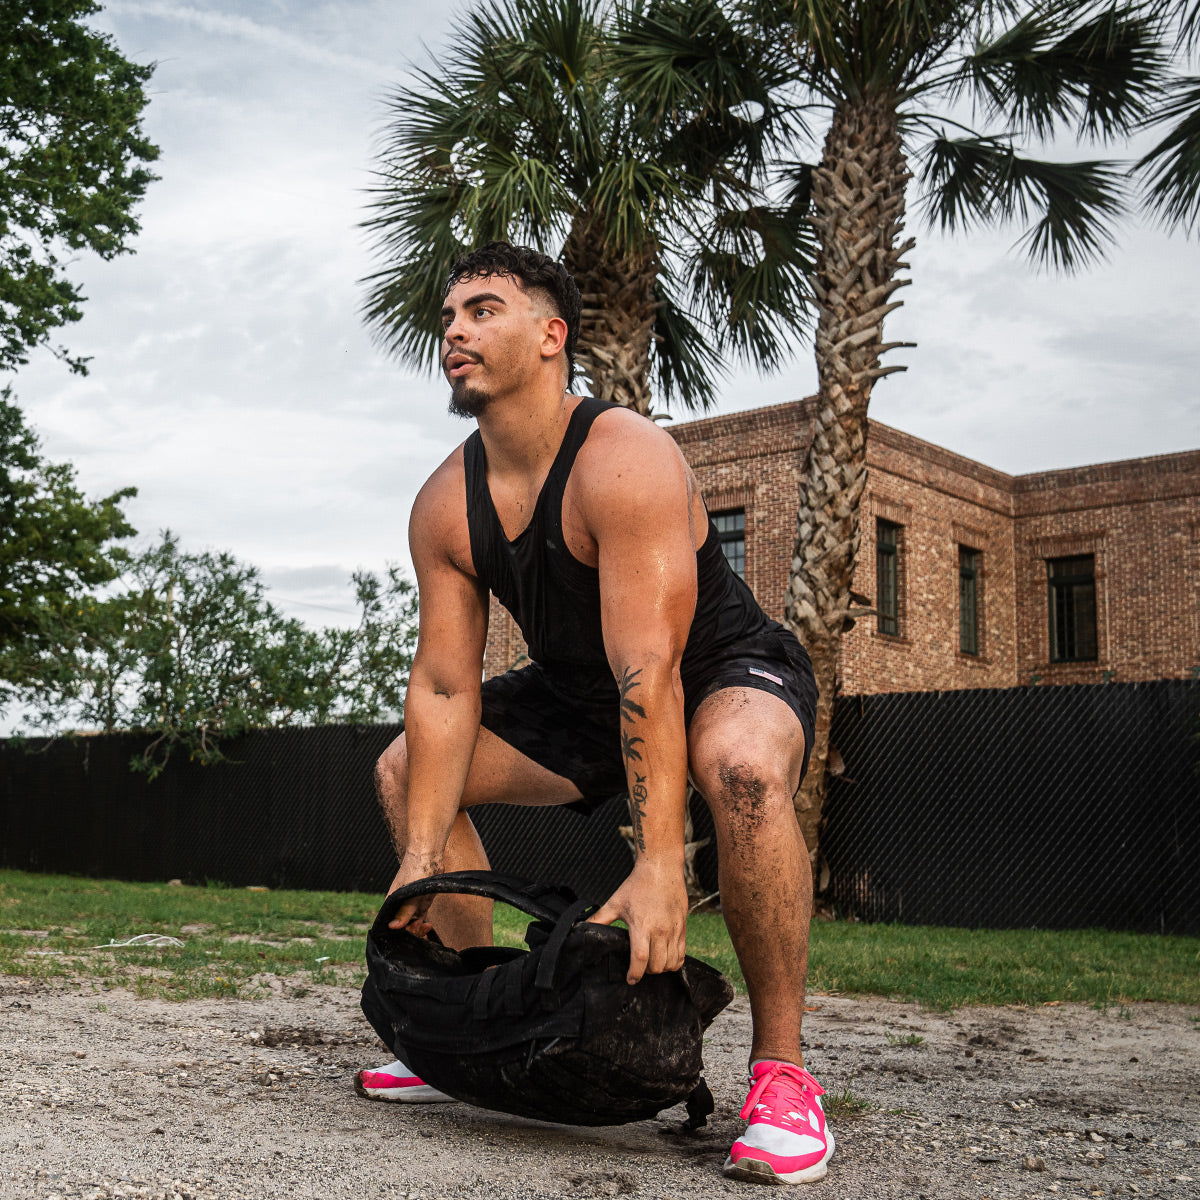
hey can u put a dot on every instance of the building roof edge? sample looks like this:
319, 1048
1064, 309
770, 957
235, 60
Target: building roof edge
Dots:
789, 412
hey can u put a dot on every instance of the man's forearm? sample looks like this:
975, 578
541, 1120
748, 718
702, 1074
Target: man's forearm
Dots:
654, 748
440, 733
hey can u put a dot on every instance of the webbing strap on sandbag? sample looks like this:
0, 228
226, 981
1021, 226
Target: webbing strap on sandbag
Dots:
700, 1106
554, 943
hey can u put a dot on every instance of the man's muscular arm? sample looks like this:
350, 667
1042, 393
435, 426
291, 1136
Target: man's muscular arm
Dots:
637, 503
441, 708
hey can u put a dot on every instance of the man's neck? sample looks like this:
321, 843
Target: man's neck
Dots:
522, 433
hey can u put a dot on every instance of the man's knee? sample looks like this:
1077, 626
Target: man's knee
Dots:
391, 774
743, 792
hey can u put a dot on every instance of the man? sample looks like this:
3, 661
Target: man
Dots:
649, 659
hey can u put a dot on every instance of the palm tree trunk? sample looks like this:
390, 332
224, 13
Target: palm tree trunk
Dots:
617, 321
858, 202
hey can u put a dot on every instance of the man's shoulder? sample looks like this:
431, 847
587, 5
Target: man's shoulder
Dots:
626, 468
447, 480
621, 436
439, 513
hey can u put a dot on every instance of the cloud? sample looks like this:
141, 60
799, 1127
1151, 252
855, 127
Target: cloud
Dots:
1028, 372
271, 37
319, 595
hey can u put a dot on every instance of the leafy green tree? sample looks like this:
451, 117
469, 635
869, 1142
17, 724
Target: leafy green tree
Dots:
72, 163
56, 546
192, 652
1172, 168
370, 663
658, 205
898, 81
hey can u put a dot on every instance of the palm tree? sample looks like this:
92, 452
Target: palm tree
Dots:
658, 207
899, 81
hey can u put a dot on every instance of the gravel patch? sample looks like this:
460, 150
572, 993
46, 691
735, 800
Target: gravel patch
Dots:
105, 1095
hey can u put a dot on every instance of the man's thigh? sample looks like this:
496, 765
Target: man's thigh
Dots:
501, 774
543, 744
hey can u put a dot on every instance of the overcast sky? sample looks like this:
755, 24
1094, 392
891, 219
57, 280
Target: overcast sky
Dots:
233, 383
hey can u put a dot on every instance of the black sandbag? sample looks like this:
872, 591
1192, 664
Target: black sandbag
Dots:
554, 1032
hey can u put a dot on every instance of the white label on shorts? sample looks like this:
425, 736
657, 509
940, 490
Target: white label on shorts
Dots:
765, 675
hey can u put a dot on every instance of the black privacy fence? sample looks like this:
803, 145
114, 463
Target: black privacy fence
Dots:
1026, 807
291, 808
1041, 807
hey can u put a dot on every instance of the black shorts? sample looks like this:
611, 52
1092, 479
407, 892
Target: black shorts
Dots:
576, 732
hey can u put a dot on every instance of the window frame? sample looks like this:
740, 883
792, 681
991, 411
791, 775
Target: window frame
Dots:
1062, 613
887, 569
970, 575
729, 537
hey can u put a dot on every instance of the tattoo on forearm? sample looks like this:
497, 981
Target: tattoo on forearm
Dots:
630, 680
637, 810
629, 748
631, 711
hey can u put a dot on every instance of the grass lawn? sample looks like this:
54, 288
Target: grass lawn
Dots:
50, 925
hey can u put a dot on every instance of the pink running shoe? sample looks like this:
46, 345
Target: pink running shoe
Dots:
787, 1140
396, 1082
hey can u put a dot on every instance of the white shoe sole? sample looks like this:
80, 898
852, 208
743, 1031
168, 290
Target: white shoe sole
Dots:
754, 1170
420, 1093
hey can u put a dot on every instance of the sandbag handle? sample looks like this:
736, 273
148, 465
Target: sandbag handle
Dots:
554, 943
529, 897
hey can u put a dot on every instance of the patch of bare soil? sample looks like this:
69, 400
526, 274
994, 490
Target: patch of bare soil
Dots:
105, 1095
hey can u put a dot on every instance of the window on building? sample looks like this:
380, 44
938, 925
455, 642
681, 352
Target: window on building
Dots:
731, 526
887, 576
1072, 585
969, 563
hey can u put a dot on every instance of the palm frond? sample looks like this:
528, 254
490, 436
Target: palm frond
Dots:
1172, 167
957, 180
686, 65
751, 270
687, 366
636, 194
1100, 69
1189, 24
856, 50
1074, 203
896, 43
820, 31
511, 196
418, 243
971, 180
1183, 17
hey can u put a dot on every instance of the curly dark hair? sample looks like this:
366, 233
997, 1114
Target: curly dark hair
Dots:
534, 271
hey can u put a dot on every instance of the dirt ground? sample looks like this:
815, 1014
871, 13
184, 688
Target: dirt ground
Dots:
104, 1095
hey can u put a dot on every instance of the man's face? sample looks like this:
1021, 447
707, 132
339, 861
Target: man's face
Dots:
492, 332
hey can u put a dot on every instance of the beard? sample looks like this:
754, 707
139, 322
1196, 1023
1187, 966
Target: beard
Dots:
466, 401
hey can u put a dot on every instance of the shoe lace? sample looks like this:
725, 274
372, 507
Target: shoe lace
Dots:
781, 1088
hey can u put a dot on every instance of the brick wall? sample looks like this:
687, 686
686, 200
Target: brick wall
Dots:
941, 501
1140, 518
505, 647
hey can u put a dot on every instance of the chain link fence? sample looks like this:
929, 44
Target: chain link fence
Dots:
1051, 807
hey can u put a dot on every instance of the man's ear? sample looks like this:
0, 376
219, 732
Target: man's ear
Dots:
554, 337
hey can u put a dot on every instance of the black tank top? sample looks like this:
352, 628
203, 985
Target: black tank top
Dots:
555, 599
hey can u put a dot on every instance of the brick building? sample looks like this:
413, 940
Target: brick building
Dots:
981, 579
